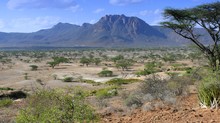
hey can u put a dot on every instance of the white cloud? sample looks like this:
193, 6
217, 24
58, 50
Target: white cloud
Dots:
124, 2
99, 10
153, 17
31, 24
150, 12
75, 8
25, 4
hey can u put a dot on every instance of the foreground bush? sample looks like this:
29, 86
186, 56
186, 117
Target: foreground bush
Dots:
209, 92
156, 88
53, 106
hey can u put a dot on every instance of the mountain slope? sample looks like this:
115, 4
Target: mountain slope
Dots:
109, 31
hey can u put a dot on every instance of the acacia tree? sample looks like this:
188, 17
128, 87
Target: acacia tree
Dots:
207, 16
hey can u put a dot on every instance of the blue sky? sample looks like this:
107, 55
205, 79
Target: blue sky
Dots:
33, 15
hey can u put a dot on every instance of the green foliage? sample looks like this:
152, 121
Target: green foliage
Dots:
85, 61
209, 91
124, 63
53, 64
33, 67
120, 81
5, 102
150, 68
97, 61
117, 58
105, 73
94, 83
68, 79
55, 106
57, 61
106, 92
61, 59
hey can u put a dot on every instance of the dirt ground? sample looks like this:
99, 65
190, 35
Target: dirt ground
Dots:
187, 111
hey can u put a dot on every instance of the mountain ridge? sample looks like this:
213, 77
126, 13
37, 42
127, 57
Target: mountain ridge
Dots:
109, 31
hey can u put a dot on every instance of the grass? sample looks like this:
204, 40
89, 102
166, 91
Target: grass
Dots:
5, 102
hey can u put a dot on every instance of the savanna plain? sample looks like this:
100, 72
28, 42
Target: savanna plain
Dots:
129, 85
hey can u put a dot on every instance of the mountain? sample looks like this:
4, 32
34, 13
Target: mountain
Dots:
109, 31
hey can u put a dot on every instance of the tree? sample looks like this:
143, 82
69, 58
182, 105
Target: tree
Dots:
57, 61
97, 61
124, 64
207, 16
52, 64
85, 61
116, 58
61, 59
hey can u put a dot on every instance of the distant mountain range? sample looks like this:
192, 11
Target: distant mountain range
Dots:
109, 31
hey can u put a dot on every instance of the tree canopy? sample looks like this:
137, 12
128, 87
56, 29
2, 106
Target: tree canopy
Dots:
184, 22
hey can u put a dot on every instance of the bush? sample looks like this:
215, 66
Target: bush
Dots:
209, 92
5, 102
33, 67
55, 106
133, 101
68, 79
106, 92
94, 83
105, 73
120, 81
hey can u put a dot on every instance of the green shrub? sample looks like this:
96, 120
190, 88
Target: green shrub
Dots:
106, 92
105, 73
209, 91
55, 106
120, 81
5, 102
94, 83
68, 79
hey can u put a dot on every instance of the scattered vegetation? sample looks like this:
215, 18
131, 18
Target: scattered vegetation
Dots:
120, 81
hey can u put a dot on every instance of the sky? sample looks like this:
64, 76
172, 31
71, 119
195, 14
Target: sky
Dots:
33, 15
